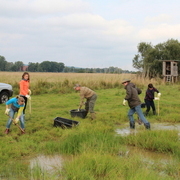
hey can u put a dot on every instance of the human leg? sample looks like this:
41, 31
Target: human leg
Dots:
153, 107
21, 119
9, 122
91, 106
87, 105
141, 116
25, 102
11, 116
147, 107
131, 118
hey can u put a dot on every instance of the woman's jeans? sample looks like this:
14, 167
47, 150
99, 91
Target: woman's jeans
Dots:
138, 110
9, 122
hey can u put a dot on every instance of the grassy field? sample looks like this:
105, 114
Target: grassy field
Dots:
92, 150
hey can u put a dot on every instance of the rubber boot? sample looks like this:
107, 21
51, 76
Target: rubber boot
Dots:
147, 126
6, 131
93, 116
154, 112
132, 125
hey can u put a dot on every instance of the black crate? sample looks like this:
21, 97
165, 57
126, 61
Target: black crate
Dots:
64, 123
82, 113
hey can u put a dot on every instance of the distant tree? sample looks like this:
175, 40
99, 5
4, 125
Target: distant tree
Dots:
17, 66
50, 66
3, 63
147, 59
33, 67
9, 66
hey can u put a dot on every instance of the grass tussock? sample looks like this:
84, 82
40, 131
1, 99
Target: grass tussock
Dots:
93, 149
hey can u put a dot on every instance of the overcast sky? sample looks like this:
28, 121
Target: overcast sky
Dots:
84, 33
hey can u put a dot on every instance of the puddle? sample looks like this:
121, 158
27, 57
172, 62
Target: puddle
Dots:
154, 126
47, 163
149, 158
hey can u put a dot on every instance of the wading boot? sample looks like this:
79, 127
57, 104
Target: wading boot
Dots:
147, 126
132, 125
6, 131
93, 116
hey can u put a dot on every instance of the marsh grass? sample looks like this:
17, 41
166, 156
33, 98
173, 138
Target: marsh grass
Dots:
95, 151
64, 82
165, 141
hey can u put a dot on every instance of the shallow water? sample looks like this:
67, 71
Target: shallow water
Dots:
154, 126
47, 163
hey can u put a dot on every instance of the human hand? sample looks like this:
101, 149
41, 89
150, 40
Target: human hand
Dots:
159, 95
29, 97
29, 91
16, 120
156, 98
7, 111
124, 102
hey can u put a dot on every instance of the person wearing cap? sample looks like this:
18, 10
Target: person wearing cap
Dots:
14, 105
134, 103
90, 96
149, 99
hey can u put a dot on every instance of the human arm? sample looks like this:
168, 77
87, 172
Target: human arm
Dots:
128, 93
138, 91
20, 112
18, 115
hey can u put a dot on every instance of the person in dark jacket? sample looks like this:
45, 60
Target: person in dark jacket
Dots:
134, 103
149, 99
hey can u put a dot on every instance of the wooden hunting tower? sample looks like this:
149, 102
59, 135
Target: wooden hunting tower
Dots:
170, 70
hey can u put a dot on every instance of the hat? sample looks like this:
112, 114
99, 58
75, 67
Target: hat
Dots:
77, 85
126, 80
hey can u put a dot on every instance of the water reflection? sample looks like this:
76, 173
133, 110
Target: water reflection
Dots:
47, 163
154, 126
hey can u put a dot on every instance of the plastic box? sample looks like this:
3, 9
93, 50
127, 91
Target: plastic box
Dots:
82, 113
64, 123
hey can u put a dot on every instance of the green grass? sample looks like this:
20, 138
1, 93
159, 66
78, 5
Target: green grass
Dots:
92, 147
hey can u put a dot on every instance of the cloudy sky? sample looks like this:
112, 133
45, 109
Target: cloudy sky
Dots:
84, 33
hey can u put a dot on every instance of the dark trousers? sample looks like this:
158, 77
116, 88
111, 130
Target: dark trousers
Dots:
150, 104
26, 99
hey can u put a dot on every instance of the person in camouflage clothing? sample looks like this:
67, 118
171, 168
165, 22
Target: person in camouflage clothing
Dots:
90, 96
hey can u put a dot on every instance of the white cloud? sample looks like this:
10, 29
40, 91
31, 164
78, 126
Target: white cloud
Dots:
34, 8
71, 31
161, 18
161, 31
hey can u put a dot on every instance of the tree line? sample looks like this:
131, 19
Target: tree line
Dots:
51, 66
45, 66
149, 58
148, 61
